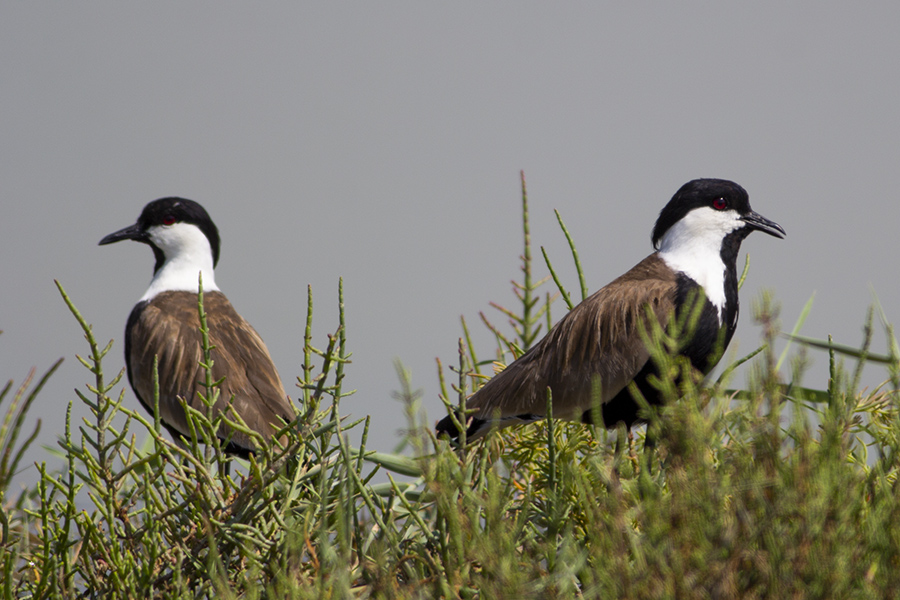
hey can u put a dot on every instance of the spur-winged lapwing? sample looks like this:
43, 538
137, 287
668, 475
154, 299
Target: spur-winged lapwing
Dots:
697, 238
165, 323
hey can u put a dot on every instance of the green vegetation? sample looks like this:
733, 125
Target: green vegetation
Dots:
777, 491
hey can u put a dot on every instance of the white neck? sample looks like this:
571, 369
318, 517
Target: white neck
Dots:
188, 256
693, 246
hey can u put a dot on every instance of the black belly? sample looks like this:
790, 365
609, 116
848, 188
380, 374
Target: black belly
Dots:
704, 350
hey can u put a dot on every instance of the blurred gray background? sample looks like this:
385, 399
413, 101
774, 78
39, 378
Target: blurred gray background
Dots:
382, 143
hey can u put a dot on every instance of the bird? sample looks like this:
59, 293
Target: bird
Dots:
165, 324
696, 238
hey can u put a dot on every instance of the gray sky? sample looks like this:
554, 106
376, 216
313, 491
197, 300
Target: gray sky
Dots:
381, 143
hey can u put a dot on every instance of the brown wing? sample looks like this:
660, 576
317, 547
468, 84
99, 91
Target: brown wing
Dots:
169, 326
599, 337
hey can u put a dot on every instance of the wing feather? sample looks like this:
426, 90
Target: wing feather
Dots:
598, 338
170, 327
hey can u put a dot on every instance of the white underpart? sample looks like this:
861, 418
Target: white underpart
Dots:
693, 246
187, 253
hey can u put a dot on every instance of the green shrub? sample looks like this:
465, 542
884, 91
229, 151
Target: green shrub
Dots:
777, 491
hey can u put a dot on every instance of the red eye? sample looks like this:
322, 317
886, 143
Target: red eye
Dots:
168, 220
720, 204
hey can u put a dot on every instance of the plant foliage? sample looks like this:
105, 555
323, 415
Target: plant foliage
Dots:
774, 491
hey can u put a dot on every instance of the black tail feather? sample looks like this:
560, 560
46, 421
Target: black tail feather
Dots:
446, 428
478, 427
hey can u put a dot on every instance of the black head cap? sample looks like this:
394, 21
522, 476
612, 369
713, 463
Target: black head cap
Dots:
719, 194
168, 211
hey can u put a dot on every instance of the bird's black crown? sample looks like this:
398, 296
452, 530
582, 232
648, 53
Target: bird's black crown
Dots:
167, 211
698, 193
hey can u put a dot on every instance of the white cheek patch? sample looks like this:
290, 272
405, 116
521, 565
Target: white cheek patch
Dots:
693, 245
187, 253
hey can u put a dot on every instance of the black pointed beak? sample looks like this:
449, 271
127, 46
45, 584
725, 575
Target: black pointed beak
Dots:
132, 232
760, 223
